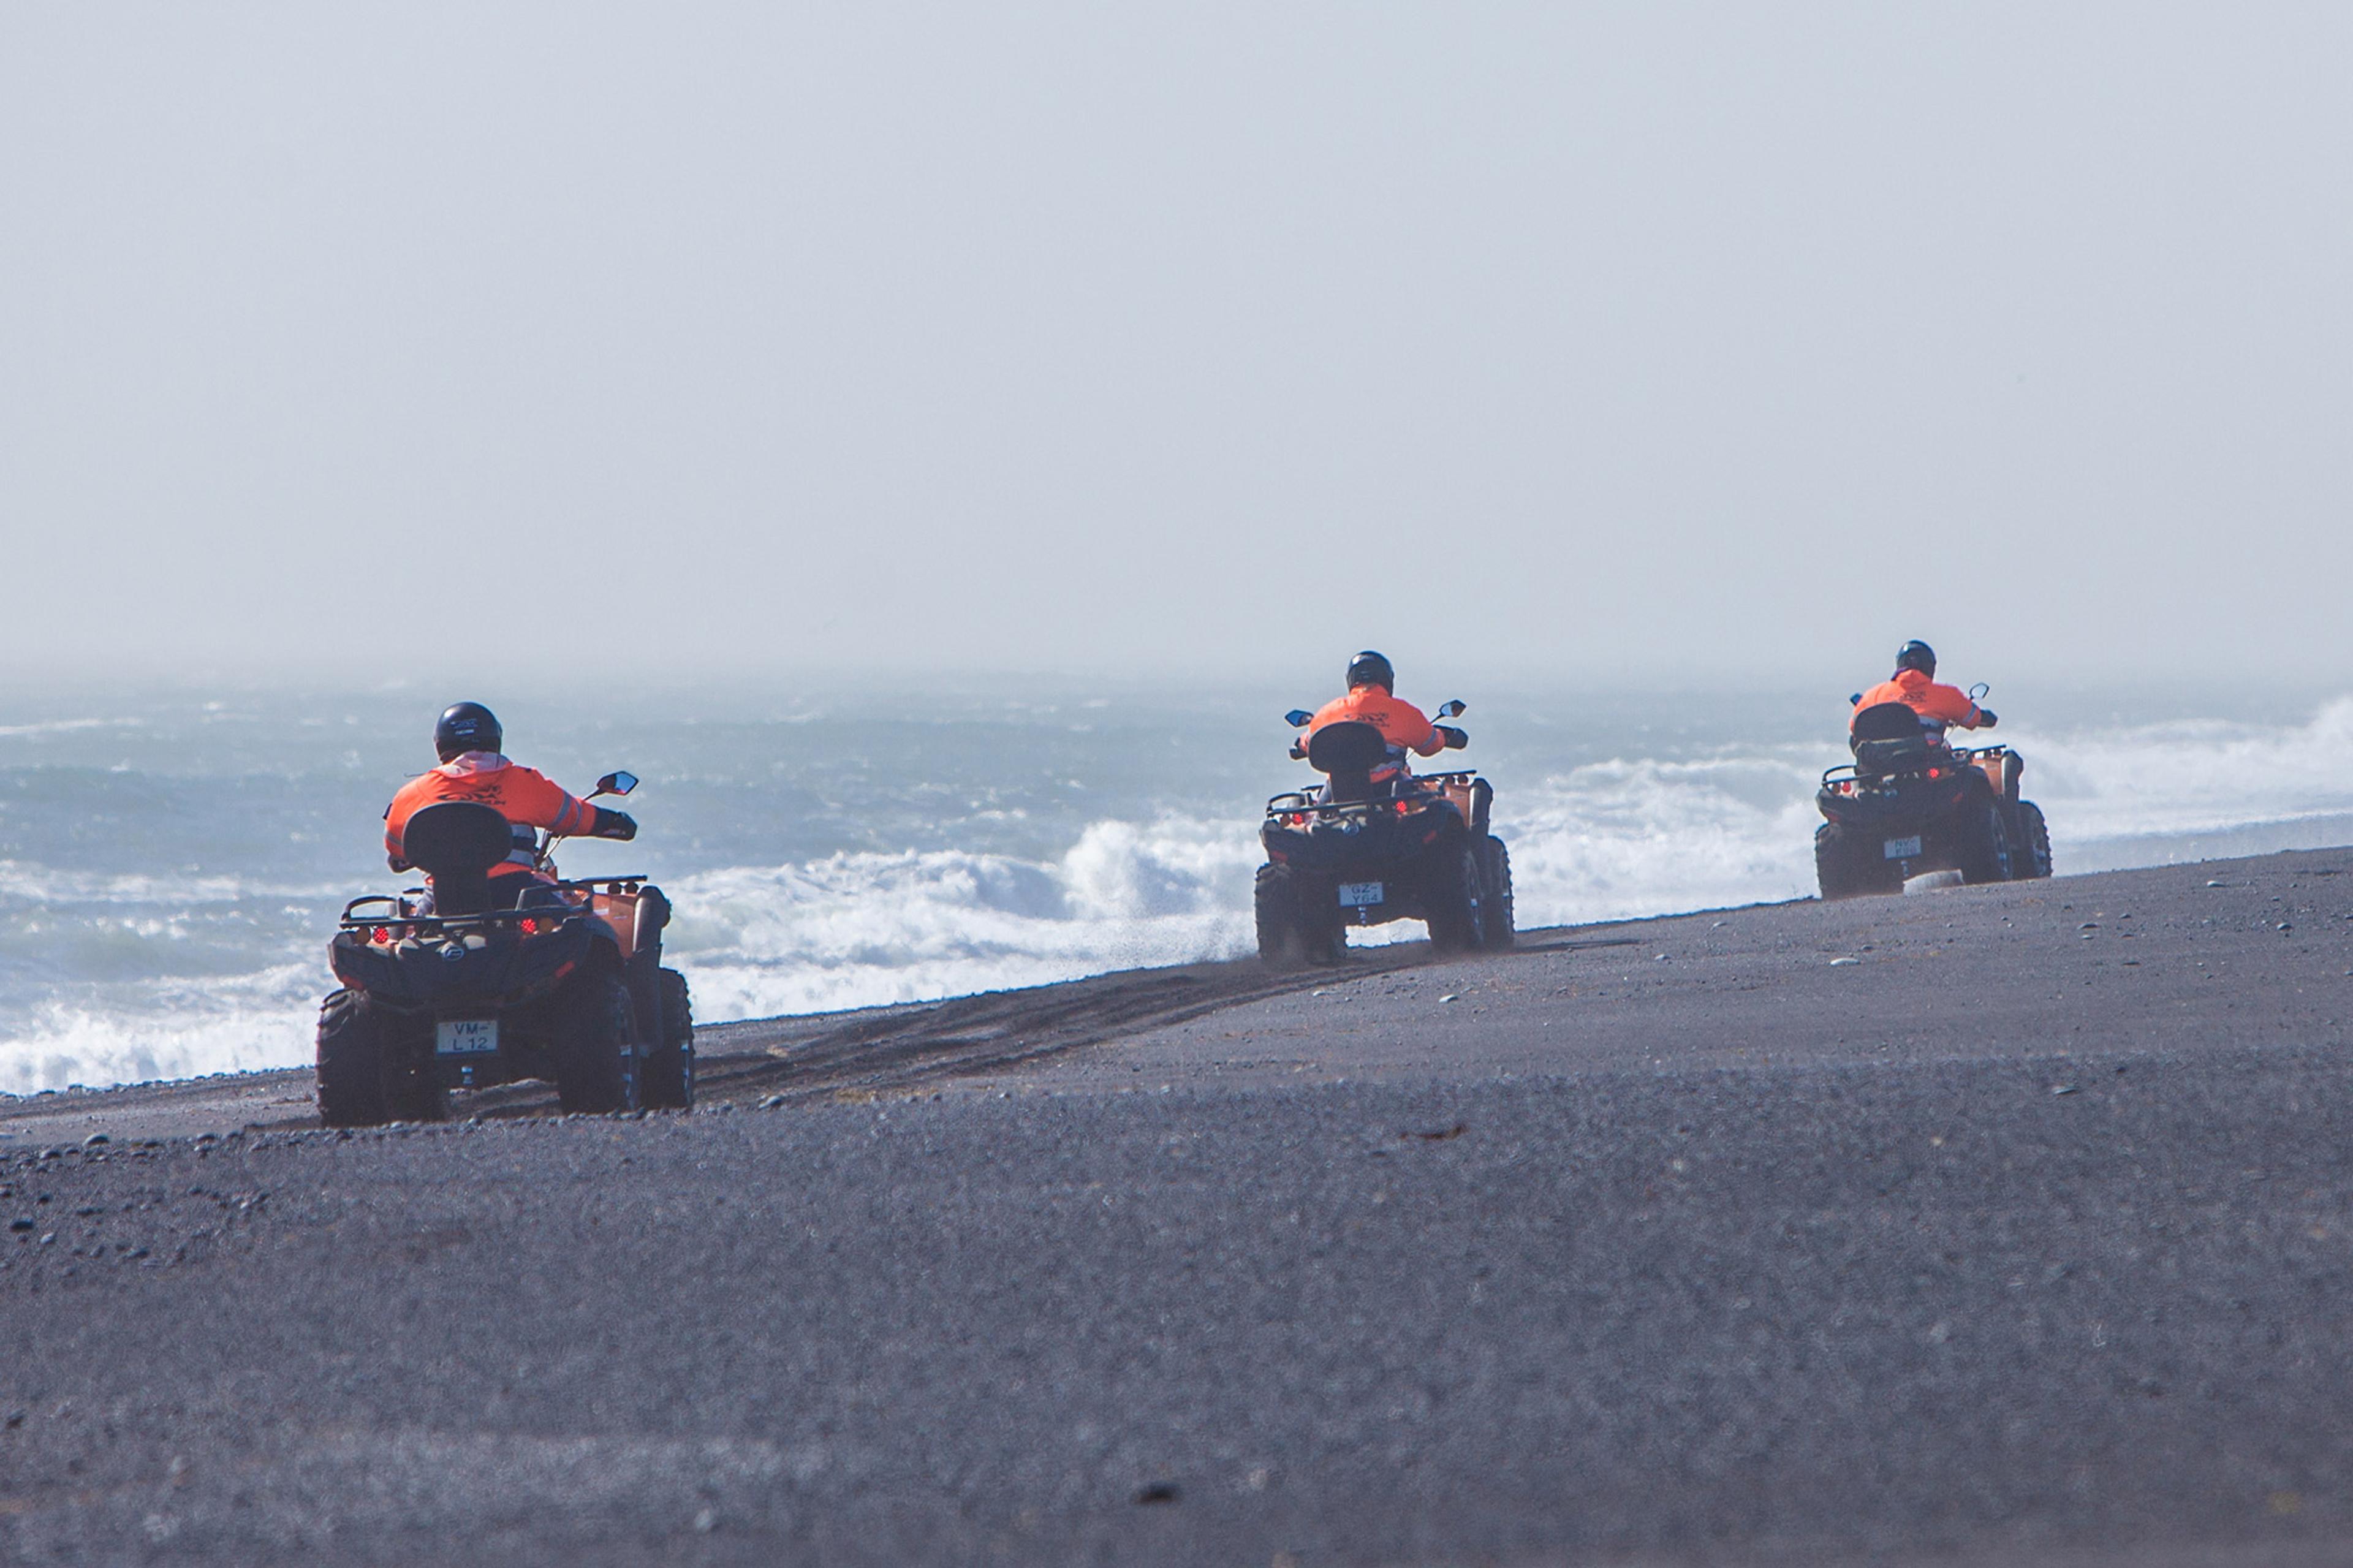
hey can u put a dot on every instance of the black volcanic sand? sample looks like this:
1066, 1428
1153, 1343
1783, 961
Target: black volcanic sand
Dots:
2022, 1238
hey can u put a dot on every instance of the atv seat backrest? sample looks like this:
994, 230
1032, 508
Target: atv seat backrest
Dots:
1890, 737
1346, 753
456, 843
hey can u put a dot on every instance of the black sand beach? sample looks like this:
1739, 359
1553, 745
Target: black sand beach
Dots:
2004, 1224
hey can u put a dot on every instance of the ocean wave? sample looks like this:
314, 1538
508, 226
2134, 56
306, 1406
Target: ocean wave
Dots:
2189, 776
164, 1030
25, 882
855, 929
66, 727
91, 1003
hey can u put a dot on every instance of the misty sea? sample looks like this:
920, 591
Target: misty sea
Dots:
171, 859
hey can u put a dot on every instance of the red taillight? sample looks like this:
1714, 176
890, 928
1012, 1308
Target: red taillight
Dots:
1935, 772
380, 933
1296, 820
530, 927
1404, 807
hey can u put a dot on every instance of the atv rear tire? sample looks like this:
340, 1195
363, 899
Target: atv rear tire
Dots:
1456, 904
1984, 845
1275, 902
1843, 872
2032, 853
371, 1070
1289, 934
1495, 876
669, 1080
596, 1051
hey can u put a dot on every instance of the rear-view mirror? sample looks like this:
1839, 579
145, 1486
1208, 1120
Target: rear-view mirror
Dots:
1298, 718
1452, 709
1979, 690
617, 784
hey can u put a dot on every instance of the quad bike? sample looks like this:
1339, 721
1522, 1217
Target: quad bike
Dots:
496, 979
1910, 803
1374, 843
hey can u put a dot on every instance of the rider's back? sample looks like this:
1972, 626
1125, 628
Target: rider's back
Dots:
1936, 702
525, 796
1400, 723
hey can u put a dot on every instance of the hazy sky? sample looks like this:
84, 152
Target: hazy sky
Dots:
1718, 340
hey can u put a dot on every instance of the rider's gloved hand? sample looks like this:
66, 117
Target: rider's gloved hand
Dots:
613, 825
397, 864
1298, 751
1986, 719
1455, 739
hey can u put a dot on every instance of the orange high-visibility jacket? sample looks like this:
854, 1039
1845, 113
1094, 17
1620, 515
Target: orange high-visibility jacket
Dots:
1944, 704
1401, 723
523, 796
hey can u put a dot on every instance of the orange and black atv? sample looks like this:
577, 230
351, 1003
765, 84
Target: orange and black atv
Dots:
1909, 804
495, 979
1372, 844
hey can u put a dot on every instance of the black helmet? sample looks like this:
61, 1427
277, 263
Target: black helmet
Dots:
1369, 669
467, 727
1916, 655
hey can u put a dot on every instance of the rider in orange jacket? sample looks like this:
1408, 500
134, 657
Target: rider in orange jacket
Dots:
468, 739
1371, 700
1915, 685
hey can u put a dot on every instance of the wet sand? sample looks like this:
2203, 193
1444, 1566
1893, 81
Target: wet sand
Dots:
1992, 1226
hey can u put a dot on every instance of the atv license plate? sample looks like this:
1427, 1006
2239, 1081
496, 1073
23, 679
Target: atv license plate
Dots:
1357, 895
1903, 848
465, 1036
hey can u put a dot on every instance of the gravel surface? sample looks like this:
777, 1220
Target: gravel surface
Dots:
2022, 1238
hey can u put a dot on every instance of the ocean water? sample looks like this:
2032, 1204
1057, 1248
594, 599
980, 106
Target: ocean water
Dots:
171, 859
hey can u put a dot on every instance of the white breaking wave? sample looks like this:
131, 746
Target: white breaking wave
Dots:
174, 1031
1623, 838
1613, 840
66, 727
857, 930
1630, 836
2167, 786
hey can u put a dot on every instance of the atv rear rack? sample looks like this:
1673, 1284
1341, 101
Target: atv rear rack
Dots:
385, 913
1432, 784
388, 917
1957, 758
1294, 808
1297, 805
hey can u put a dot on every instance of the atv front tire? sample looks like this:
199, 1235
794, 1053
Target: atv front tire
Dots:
596, 1051
370, 1070
668, 1083
1495, 876
2032, 853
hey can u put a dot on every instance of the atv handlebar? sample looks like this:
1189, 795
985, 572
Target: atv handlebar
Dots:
619, 782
